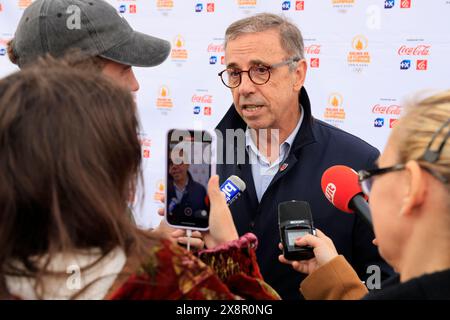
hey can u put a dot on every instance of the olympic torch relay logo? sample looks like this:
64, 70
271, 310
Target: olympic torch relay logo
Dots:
179, 53
334, 112
359, 57
246, 3
164, 101
164, 4
343, 4
160, 189
247, 6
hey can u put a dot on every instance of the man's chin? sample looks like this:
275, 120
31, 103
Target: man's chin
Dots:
256, 124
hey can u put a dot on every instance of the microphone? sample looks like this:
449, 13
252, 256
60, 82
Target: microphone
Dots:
340, 186
172, 204
233, 187
294, 221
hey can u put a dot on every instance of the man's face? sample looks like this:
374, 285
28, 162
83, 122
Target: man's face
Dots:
178, 171
270, 105
122, 74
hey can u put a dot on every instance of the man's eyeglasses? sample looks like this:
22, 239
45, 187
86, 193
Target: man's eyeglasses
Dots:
366, 177
258, 74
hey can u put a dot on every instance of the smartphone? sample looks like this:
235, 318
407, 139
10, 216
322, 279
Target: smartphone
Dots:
191, 161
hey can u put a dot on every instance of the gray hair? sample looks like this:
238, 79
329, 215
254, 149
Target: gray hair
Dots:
290, 36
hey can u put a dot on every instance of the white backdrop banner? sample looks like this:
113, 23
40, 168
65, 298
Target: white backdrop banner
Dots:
364, 58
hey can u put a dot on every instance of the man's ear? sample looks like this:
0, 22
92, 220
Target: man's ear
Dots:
416, 188
300, 74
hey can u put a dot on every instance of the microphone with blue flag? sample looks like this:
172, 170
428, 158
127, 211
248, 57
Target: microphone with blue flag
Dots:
233, 187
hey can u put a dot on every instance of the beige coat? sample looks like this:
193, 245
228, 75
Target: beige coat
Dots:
335, 280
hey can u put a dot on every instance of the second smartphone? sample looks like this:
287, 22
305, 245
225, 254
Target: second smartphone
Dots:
191, 161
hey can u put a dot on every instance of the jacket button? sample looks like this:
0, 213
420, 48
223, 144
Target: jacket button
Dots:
252, 225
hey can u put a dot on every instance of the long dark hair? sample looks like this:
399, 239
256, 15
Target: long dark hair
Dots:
69, 153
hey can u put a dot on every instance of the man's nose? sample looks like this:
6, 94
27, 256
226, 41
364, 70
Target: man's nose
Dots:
247, 86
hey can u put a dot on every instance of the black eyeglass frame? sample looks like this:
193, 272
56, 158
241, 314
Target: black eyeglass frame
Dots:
268, 67
429, 156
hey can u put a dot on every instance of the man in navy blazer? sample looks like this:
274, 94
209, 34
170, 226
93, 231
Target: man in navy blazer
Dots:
265, 70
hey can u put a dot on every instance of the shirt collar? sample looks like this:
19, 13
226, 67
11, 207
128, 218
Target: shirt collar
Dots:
290, 140
249, 143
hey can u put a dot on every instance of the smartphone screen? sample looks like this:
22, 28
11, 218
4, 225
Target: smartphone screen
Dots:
190, 164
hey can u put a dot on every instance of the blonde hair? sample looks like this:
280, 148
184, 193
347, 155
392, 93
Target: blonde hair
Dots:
425, 127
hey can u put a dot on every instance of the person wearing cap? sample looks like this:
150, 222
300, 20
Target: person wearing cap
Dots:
93, 27
410, 205
63, 191
92, 33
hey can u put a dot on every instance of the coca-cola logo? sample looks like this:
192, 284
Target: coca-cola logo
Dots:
313, 49
207, 98
215, 47
392, 109
420, 50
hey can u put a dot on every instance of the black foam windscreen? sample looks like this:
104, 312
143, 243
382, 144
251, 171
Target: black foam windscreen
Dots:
294, 210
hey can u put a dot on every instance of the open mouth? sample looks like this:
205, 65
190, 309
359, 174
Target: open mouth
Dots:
251, 108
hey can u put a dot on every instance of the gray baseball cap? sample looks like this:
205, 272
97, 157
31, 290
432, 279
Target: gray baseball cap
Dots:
93, 26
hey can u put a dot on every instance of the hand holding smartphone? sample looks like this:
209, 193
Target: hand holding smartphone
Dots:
191, 161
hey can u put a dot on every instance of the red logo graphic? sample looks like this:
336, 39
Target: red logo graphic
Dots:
210, 7
215, 48
392, 123
207, 98
207, 111
1, 7
392, 109
313, 49
299, 5
146, 144
330, 191
314, 62
405, 4
422, 65
222, 59
133, 8
420, 50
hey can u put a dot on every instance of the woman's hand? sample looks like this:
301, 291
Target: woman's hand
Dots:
221, 224
324, 251
179, 235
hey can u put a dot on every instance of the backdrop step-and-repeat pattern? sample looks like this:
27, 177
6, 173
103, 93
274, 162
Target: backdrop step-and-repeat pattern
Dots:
365, 57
